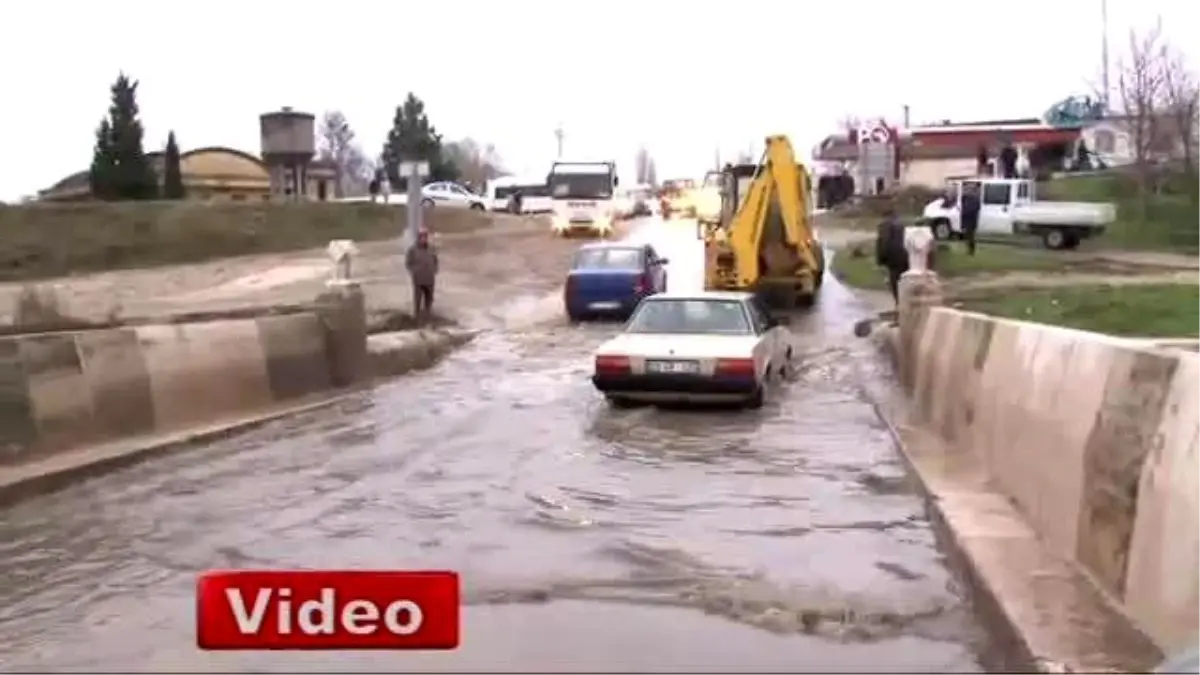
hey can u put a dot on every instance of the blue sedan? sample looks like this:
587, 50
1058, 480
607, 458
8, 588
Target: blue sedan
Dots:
609, 280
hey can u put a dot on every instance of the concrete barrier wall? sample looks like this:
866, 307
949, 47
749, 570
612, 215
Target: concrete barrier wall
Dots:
59, 391
1094, 439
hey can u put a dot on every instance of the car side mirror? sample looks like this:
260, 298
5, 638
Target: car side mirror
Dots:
616, 181
663, 261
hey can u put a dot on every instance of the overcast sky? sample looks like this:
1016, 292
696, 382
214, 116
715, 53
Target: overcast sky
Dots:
615, 73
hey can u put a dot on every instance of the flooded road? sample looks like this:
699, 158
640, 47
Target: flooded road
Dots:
785, 539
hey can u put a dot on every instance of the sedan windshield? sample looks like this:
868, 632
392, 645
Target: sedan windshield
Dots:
608, 259
712, 317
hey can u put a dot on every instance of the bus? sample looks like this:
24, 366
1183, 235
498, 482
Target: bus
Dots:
535, 194
582, 196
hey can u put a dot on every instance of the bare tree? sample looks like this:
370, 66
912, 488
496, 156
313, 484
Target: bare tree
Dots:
336, 144
1140, 87
1181, 103
477, 163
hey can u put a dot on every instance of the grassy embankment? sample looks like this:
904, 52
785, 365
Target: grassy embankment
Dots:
1167, 221
49, 240
1145, 309
1164, 310
1141, 310
855, 266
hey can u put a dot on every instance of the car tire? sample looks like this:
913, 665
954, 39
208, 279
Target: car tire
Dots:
619, 401
757, 399
941, 230
1054, 239
427, 203
476, 206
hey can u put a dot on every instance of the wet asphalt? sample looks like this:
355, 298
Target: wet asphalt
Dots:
786, 539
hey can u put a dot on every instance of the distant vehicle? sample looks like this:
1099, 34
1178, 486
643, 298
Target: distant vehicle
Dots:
535, 194
447, 193
611, 279
582, 196
1008, 206
707, 200
677, 197
638, 201
693, 347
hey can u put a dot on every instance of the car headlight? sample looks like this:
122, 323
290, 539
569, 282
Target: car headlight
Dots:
559, 224
603, 223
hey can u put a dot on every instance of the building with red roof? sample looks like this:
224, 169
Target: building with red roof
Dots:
930, 155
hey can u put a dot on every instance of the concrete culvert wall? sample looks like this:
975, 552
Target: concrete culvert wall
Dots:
1093, 438
63, 390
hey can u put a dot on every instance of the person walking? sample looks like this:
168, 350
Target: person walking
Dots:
421, 261
969, 214
890, 253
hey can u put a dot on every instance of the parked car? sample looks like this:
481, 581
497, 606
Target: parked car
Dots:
610, 279
447, 193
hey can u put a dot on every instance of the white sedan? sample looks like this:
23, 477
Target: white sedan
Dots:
447, 193
693, 347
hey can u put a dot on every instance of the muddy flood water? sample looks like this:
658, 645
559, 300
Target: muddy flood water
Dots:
786, 539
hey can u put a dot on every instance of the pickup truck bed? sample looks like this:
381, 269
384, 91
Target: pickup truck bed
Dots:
1076, 214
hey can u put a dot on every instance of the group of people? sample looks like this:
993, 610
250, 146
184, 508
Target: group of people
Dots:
890, 252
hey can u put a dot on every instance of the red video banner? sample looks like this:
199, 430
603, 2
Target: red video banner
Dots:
327, 609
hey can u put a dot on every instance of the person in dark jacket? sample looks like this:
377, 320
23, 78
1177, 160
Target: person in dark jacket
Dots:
421, 261
890, 253
969, 216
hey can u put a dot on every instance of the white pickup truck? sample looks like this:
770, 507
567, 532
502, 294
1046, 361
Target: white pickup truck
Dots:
1008, 206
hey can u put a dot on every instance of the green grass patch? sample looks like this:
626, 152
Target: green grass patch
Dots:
1142, 310
50, 240
855, 266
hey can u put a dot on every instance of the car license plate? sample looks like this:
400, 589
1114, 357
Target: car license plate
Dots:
673, 367
604, 305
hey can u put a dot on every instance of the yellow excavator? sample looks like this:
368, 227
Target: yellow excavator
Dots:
764, 241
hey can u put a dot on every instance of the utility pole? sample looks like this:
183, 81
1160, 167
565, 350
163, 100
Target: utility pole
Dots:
1104, 54
558, 136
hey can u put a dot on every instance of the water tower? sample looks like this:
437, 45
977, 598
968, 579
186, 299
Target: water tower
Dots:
288, 146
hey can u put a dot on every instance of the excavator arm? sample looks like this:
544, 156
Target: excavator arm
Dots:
768, 239
781, 186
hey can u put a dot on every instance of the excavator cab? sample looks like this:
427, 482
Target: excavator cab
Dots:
764, 242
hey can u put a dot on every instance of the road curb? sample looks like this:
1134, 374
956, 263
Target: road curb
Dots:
59, 471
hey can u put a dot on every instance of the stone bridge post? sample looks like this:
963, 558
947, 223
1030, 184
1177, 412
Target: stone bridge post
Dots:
919, 289
342, 309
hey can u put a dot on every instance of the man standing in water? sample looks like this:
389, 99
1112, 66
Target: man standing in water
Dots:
890, 253
421, 261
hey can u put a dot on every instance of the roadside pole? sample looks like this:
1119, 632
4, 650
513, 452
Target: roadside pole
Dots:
413, 172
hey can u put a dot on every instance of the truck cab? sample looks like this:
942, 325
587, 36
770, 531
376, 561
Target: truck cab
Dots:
582, 197
1008, 206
